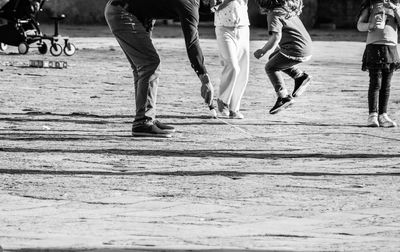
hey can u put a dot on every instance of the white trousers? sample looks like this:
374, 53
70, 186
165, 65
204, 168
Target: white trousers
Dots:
234, 51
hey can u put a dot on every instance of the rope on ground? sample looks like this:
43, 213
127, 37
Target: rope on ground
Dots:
235, 127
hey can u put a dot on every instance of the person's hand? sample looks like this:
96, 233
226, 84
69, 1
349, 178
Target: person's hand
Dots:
35, 6
207, 89
390, 5
378, 23
149, 24
259, 53
372, 26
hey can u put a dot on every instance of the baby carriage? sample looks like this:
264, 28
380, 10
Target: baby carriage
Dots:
19, 27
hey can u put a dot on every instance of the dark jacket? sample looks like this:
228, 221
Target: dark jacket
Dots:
187, 11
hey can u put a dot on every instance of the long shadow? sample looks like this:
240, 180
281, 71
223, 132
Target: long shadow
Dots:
32, 137
210, 121
221, 153
30, 117
207, 121
88, 115
98, 122
231, 174
5, 119
155, 249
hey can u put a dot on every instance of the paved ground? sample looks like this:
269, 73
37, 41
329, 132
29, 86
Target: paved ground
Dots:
312, 178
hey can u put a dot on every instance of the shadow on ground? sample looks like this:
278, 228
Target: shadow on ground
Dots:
140, 250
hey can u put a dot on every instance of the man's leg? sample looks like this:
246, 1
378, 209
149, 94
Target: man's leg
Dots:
137, 45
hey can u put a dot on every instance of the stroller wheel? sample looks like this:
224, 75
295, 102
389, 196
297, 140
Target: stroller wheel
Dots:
3, 47
43, 48
69, 49
23, 48
56, 49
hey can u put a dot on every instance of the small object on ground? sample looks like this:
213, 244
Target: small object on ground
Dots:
48, 64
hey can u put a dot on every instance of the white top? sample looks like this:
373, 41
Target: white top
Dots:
233, 15
387, 35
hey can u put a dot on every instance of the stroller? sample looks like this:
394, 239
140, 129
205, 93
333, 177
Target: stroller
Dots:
19, 27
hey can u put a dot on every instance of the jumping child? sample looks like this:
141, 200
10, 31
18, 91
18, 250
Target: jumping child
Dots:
380, 19
292, 44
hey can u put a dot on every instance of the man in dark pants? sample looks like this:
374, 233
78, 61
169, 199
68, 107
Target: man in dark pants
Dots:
131, 22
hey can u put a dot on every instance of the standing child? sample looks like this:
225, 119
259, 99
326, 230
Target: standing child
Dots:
233, 38
292, 44
381, 20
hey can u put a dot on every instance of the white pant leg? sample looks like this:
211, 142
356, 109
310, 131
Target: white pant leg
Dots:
227, 46
243, 40
233, 45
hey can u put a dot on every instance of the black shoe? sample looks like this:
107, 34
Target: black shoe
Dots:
300, 84
148, 129
163, 126
281, 104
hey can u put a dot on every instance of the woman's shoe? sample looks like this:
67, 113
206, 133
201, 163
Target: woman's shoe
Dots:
235, 115
223, 107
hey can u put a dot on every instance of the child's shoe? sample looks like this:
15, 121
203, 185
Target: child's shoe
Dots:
300, 84
373, 120
235, 115
385, 121
223, 107
281, 104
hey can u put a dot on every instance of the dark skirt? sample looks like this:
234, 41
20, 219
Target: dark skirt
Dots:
383, 57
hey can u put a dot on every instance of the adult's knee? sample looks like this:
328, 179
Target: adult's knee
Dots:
151, 64
150, 70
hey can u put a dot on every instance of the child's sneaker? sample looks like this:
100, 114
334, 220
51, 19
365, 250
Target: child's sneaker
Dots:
223, 107
235, 115
281, 104
373, 120
385, 121
300, 84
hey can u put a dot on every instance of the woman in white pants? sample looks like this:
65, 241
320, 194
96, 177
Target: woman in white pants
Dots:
233, 37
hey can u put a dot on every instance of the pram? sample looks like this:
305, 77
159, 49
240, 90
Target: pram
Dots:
19, 27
